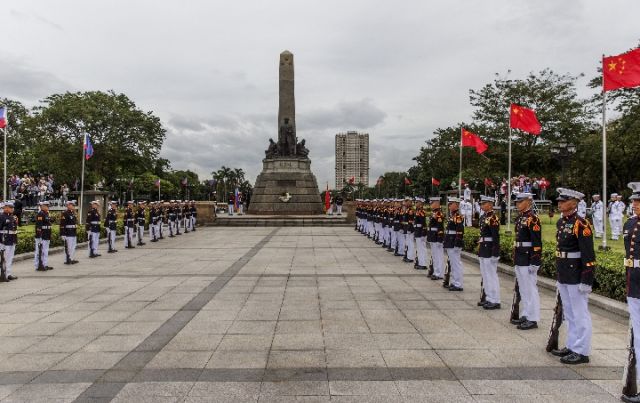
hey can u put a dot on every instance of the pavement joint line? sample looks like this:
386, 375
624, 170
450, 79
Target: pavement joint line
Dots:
135, 361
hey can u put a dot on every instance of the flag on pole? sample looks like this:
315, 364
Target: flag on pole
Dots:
407, 181
88, 147
379, 181
473, 140
435, 182
131, 184
184, 182
157, 183
3, 117
327, 198
352, 180
524, 119
235, 197
621, 71
488, 182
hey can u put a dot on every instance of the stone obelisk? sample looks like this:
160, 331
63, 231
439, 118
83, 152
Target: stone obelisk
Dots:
286, 185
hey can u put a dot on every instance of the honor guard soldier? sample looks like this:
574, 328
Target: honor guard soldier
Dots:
575, 264
232, 201
616, 214
43, 237
597, 210
194, 215
394, 226
419, 234
187, 216
162, 211
140, 220
92, 226
631, 234
178, 209
386, 236
410, 255
172, 217
527, 257
69, 231
110, 224
404, 226
129, 225
582, 209
435, 237
453, 243
9, 239
489, 253
153, 222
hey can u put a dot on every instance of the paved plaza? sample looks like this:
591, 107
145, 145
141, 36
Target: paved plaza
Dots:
312, 314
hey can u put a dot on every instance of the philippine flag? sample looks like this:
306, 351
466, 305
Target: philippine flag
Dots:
3, 117
235, 194
88, 147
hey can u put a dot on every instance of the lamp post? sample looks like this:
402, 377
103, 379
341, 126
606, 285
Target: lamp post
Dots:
562, 151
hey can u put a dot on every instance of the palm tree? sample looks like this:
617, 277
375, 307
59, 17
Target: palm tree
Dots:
239, 175
224, 174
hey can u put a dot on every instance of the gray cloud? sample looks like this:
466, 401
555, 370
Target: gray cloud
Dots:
362, 114
24, 82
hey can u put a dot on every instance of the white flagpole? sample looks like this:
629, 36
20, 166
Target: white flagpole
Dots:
159, 184
84, 152
604, 161
460, 173
509, 179
6, 127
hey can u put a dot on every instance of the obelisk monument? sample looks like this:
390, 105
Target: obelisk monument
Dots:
286, 185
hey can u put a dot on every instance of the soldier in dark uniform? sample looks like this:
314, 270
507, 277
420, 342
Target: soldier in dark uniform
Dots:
92, 225
435, 237
129, 225
404, 228
489, 253
453, 243
339, 203
110, 224
153, 222
420, 222
194, 215
43, 237
410, 255
171, 215
140, 220
575, 264
631, 236
162, 211
178, 209
526, 257
8, 240
187, 216
68, 231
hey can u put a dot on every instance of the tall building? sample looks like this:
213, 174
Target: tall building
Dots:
352, 158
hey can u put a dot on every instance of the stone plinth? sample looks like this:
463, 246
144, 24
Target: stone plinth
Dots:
284, 175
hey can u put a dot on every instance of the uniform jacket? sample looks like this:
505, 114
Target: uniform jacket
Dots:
419, 223
596, 210
129, 218
574, 235
93, 220
140, 216
43, 226
68, 223
171, 212
411, 216
453, 236
489, 236
528, 247
631, 235
110, 219
435, 229
8, 229
153, 216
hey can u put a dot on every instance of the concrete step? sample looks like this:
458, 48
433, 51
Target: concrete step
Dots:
281, 221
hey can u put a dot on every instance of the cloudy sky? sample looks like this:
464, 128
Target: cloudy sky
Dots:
209, 69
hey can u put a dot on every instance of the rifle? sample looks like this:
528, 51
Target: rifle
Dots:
66, 249
447, 275
515, 305
40, 265
483, 295
629, 386
430, 272
554, 332
3, 266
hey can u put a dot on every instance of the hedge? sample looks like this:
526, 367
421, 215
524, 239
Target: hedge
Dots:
610, 277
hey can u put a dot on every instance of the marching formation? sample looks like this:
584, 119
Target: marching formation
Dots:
405, 228
175, 217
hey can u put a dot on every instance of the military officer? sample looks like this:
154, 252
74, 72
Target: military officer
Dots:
171, 218
527, 257
575, 264
489, 253
420, 222
466, 210
615, 216
140, 221
435, 237
597, 210
129, 225
404, 227
68, 231
43, 237
153, 222
8, 240
162, 215
177, 207
453, 243
110, 224
582, 209
410, 255
92, 226
395, 226
631, 235
194, 215
187, 216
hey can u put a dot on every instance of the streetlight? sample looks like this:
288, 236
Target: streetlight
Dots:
562, 151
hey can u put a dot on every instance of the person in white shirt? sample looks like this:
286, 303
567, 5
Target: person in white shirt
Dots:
615, 216
597, 210
467, 193
582, 209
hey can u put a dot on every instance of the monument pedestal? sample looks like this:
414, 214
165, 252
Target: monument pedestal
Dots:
286, 186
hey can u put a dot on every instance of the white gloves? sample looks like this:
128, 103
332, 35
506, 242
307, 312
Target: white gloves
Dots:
533, 269
64, 238
584, 288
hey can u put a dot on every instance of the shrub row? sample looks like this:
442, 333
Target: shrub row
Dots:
610, 277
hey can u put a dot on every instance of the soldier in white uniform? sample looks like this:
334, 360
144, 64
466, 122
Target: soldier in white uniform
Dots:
597, 210
615, 216
582, 209
466, 209
467, 193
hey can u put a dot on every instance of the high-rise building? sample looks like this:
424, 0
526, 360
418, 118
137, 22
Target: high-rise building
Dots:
352, 158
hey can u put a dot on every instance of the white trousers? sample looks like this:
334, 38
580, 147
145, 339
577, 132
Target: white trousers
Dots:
575, 309
402, 238
598, 224
193, 222
153, 231
339, 209
457, 273
9, 251
394, 239
93, 240
72, 241
411, 246
129, 235
421, 250
231, 209
468, 220
634, 317
111, 238
44, 253
241, 208
437, 254
530, 299
378, 230
616, 227
490, 281
140, 233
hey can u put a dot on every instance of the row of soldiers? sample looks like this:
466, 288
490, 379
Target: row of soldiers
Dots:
177, 216
406, 229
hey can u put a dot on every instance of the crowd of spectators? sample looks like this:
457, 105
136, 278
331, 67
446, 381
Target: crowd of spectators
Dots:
537, 186
32, 189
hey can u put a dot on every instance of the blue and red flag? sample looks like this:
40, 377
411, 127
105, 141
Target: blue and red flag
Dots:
3, 117
235, 196
88, 147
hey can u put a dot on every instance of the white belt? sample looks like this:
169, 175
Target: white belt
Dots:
568, 255
418, 225
486, 239
94, 222
523, 244
130, 219
450, 232
8, 232
43, 227
631, 262
69, 226
433, 228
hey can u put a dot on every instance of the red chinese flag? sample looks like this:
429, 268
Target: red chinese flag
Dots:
524, 119
327, 198
473, 140
352, 180
435, 182
407, 181
488, 182
622, 71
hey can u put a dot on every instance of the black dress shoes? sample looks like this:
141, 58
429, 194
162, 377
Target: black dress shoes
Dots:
574, 358
519, 320
561, 352
630, 399
491, 306
454, 288
527, 325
